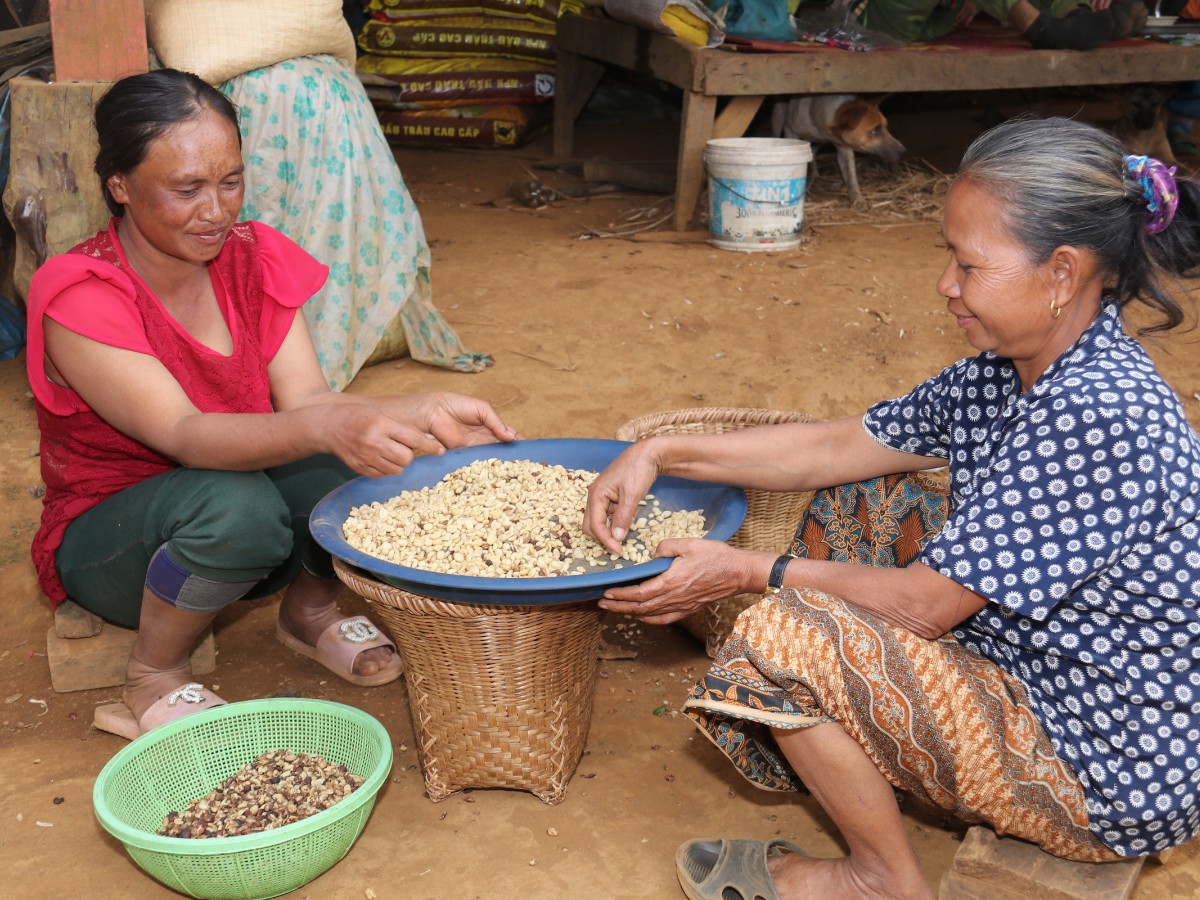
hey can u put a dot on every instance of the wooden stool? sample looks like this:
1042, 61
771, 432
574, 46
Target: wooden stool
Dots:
85, 653
987, 867
501, 696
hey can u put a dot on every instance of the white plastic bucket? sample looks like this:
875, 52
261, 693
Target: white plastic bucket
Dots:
756, 192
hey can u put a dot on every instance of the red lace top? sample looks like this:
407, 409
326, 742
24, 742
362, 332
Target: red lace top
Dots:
260, 279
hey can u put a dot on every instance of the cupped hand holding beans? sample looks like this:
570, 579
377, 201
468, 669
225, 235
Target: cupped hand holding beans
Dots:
703, 572
614, 495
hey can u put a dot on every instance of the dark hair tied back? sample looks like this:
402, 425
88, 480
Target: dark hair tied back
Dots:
1067, 184
138, 109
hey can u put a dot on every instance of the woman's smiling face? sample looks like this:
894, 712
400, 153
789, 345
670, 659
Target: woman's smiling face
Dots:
187, 193
1000, 298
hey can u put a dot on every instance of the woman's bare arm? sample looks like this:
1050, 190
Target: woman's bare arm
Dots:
136, 394
792, 457
454, 420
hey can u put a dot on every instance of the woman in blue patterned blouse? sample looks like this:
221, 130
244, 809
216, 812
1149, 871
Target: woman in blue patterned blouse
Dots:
1021, 647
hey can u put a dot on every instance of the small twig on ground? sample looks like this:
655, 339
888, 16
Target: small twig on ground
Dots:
570, 367
632, 216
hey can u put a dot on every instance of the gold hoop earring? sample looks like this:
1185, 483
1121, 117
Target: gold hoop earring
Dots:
1054, 310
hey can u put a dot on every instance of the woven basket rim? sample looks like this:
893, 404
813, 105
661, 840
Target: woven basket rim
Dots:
225, 846
690, 415
349, 571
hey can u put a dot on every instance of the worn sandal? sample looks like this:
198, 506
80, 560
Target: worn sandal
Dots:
118, 718
729, 869
339, 645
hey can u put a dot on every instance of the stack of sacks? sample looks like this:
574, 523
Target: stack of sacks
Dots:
461, 72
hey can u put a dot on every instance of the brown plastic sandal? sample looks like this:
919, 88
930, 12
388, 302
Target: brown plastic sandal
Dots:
339, 645
727, 869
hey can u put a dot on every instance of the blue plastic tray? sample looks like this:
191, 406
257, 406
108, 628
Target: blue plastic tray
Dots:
724, 509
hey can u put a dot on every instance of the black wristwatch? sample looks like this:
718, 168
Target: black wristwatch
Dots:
775, 580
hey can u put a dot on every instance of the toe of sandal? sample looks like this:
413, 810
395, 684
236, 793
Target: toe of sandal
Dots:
186, 700
726, 869
339, 646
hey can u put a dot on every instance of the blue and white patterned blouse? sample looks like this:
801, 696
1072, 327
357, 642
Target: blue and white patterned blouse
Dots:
1075, 515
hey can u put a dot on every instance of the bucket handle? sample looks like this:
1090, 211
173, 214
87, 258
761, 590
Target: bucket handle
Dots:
780, 203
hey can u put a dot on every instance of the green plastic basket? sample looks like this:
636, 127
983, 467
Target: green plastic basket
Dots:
166, 769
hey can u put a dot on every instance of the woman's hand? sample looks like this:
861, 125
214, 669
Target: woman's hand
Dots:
459, 420
615, 494
703, 572
967, 12
370, 441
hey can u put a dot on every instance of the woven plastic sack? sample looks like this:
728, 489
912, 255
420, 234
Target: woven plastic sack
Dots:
319, 170
468, 126
460, 36
218, 39
687, 19
397, 83
538, 10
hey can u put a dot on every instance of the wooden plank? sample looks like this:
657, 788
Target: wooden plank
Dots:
99, 662
16, 35
831, 73
737, 115
659, 55
1028, 870
98, 40
956, 886
694, 132
52, 198
576, 78
737, 74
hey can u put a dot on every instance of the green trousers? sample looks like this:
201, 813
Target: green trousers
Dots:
218, 529
925, 20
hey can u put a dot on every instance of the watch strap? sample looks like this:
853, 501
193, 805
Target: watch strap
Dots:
775, 580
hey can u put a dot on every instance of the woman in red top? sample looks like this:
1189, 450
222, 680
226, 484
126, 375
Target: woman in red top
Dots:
187, 430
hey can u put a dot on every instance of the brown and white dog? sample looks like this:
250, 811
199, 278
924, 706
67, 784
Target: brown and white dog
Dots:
852, 124
1142, 129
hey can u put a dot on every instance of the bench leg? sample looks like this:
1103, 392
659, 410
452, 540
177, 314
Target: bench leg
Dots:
694, 132
576, 78
737, 115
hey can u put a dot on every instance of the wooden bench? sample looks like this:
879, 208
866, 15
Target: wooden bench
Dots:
585, 44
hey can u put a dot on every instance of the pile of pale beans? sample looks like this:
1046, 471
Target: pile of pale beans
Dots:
506, 519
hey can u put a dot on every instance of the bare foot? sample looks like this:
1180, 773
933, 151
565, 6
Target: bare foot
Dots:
308, 622
800, 877
144, 686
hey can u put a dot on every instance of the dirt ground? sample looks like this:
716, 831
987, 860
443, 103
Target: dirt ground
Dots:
586, 334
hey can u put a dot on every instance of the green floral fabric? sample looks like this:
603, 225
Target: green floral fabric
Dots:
319, 170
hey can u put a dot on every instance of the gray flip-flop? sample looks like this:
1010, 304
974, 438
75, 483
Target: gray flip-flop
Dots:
727, 869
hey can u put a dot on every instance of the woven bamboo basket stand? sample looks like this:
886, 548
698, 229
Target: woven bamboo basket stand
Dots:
771, 516
501, 696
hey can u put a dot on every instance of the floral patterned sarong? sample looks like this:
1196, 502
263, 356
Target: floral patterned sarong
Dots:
319, 169
940, 721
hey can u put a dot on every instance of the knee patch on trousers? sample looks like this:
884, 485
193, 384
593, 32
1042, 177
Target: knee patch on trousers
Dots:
186, 591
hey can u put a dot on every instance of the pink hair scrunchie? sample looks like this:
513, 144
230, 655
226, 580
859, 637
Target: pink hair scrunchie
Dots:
1160, 193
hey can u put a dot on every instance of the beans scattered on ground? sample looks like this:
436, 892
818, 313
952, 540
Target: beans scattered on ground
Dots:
278, 788
507, 519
